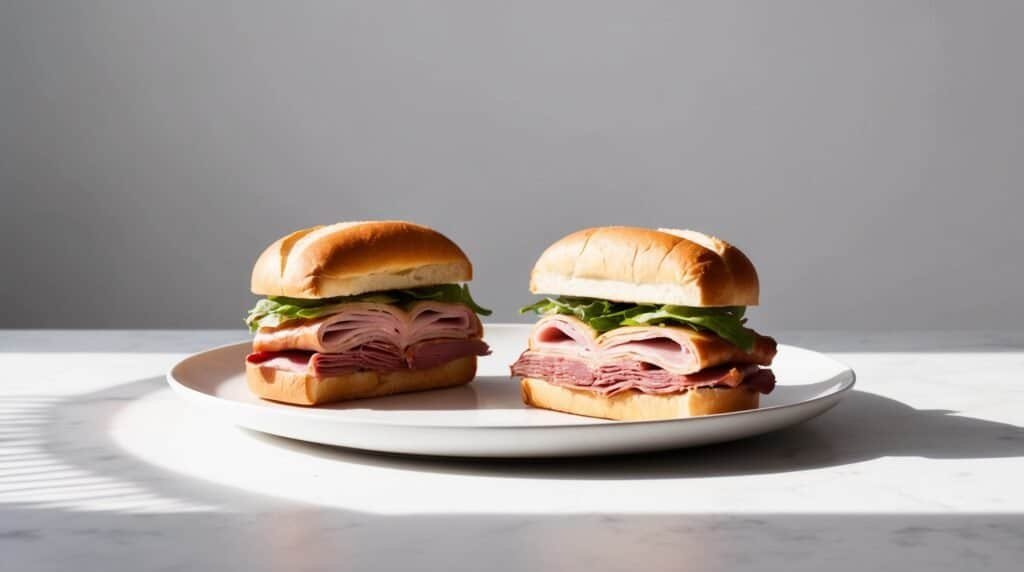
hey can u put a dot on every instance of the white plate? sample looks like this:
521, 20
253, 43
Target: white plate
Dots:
487, 418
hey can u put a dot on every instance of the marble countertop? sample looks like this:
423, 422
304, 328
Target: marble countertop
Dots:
103, 468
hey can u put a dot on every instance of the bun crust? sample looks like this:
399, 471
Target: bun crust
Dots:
304, 389
664, 266
634, 405
351, 258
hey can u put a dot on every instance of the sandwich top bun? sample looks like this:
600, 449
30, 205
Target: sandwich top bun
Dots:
639, 265
351, 258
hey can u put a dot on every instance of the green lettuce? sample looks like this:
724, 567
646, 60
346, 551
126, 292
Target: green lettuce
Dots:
726, 321
276, 310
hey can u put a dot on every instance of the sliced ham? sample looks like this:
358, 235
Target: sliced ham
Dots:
762, 381
612, 377
678, 350
296, 362
653, 359
362, 323
369, 336
566, 335
436, 320
376, 356
433, 353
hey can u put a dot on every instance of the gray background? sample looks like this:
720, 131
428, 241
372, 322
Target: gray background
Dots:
867, 157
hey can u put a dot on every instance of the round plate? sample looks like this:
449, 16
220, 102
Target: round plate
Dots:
487, 417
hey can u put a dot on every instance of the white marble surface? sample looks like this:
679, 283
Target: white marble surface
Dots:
102, 468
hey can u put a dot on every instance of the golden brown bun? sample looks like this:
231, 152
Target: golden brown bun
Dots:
635, 405
351, 258
664, 266
303, 389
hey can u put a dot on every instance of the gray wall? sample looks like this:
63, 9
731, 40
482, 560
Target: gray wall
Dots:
867, 157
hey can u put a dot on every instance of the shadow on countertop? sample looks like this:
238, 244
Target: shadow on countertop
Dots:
862, 427
225, 527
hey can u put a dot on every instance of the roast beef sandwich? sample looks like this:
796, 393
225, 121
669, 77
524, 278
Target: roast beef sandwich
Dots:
362, 309
642, 324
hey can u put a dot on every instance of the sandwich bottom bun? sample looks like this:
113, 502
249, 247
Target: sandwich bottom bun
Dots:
304, 389
635, 405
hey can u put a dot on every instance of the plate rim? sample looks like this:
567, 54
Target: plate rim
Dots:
845, 380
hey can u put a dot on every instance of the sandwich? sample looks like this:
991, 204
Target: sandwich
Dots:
642, 324
362, 309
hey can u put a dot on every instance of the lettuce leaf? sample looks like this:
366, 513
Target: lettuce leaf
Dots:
727, 322
274, 311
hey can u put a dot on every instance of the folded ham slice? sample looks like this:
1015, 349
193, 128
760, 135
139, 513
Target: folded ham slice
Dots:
362, 323
614, 377
433, 353
678, 350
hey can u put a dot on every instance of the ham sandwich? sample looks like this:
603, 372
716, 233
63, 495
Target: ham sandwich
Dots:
652, 359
